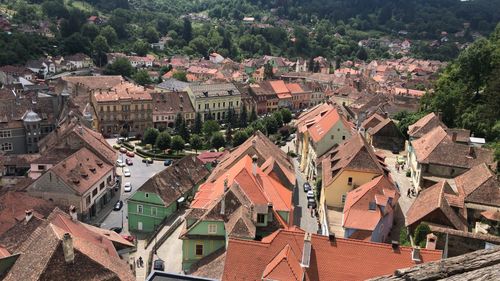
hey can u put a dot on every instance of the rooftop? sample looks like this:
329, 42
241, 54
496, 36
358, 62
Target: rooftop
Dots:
171, 102
123, 91
214, 90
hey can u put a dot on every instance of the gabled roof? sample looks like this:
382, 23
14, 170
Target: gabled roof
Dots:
263, 148
437, 147
425, 125
353, 154
324, 124
480, 186
372, 121
312, 116
279, 87
330, 260
176, 180
42, 255
385, 123
357, 214
433, 199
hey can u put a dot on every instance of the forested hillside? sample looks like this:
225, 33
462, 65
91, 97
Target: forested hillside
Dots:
291, 28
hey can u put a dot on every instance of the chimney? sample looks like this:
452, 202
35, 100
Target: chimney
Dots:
226, 187
69, 251
472, 152
431, 241
72, 213
395, 245
439, 116
331, 237
306, 251
254, 143
223, 206
254, 165
29, 215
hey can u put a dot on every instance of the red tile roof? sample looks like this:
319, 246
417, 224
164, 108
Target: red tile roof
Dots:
337, 260
294, 88
325, 123
207, 156
279, 87
356, 209
425, 125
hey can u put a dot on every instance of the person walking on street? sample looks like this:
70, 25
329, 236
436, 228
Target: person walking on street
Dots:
141, 262
408, 193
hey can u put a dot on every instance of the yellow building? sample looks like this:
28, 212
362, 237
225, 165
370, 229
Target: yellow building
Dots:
346, 167
215, 99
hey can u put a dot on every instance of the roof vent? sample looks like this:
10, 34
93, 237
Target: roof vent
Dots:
93, 170
331, 237
306, 252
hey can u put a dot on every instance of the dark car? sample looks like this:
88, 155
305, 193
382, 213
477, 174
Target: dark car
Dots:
307, 187
116, 229
311, 203
159, 265
129, 162
118, 206
167, 162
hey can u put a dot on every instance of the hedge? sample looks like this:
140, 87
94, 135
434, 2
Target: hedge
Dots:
144, 154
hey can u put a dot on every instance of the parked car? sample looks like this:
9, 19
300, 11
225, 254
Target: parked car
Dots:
127, 187
129, 238
126, 172
116, 229
120, 140
129, 162
123, 150
116, 146
120, 163
311, 203
147, 160
159, 264
310, 194
118, 206
130, 154
307, 187
167, 162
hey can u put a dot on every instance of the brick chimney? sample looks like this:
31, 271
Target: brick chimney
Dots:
69, 251
254, 165
73, 213
454, 136
431, 242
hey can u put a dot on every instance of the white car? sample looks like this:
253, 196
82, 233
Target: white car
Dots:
127, 187
120, 163
126, 172
310, 194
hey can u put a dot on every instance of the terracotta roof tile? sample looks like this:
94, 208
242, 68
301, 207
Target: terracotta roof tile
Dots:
425, 125
480, 185
338, 260
324, 124
279, 87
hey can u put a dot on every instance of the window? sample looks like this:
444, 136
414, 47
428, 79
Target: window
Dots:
343, 199
199, 250
199, 106
107, 108
114, 107
261, 218
372, 206
101, 186
218, 105
94, 192
41, 167
154, 211
87, 200
206, 106
331, 137
349, 181
5, 134
6, 146
343, 137
146, 195
213, 105
212, 228
140, 209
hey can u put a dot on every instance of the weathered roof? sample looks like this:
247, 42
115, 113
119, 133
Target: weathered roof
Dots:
172, 84
425, 125
330, 260
171, 102
176, 180
94, 82
480, 186
214, 90
123, 91
433, 199
478, 265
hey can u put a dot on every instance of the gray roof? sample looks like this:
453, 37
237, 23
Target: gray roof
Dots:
173, 85
214, 90
31, 116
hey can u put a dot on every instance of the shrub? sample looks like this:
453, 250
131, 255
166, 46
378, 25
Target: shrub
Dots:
421, 234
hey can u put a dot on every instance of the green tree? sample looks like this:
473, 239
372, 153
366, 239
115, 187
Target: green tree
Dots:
178, 143
151, 34
90, 31
184, 132
268, 71
198, 125
286, 115
110, 34
217, 140
100, 49
141, 48
180, 75
76, 43
187, 30
210, 127
163, 141
243, 117
239, 137
421, 234
253, 115
362, 54
178, 122
150, 135
229, 134
271, 124
121, 66
279, 119
196, 142
142, 78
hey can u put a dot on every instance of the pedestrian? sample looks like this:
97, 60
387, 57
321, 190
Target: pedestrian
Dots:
138, 263
408, 193
141, 262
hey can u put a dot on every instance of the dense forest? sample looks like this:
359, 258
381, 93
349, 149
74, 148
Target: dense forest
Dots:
293, 28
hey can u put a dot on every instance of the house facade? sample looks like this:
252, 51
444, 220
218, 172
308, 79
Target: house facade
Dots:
214, 99
163, 194
166, 107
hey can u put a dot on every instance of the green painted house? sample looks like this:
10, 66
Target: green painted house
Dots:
158, 198
244, 203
